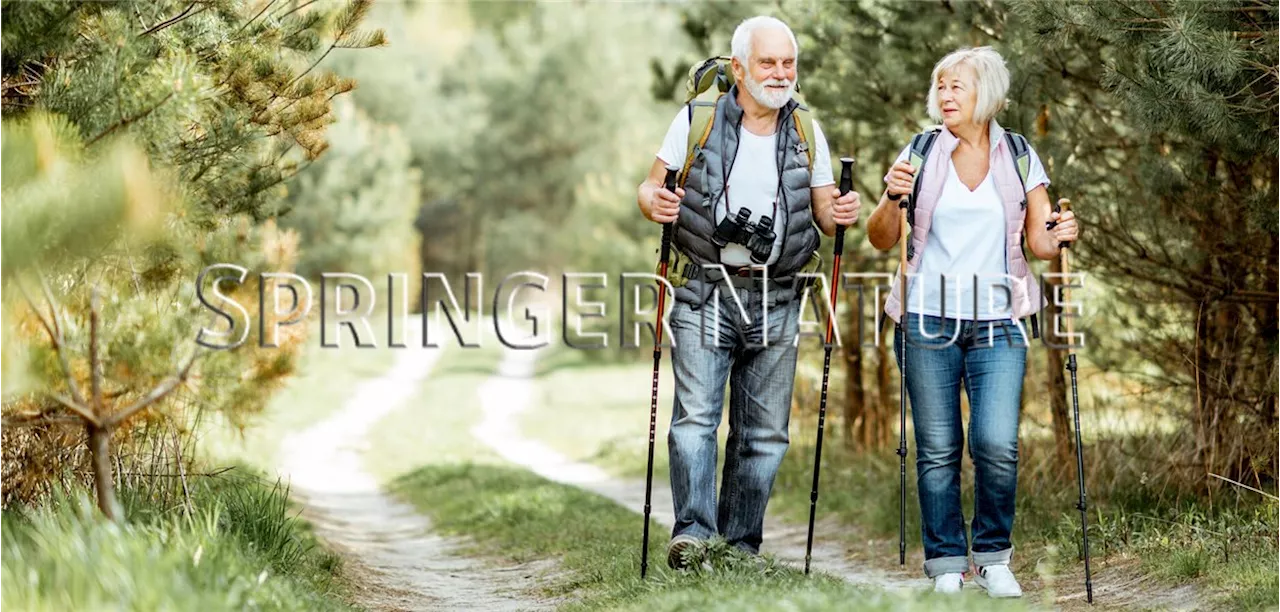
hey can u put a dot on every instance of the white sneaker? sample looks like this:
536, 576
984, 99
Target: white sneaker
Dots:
998, 581
948, 583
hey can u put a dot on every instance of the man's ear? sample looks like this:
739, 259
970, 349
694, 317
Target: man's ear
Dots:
739, 71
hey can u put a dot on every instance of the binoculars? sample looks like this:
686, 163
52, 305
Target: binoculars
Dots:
757, 237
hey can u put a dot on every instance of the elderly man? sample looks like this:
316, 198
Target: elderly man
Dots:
754, 159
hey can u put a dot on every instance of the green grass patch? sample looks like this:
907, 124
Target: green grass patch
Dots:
434, 425
1227, 548
518, 515
239, 548
599, 414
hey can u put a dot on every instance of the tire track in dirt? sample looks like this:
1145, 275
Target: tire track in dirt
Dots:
400, 563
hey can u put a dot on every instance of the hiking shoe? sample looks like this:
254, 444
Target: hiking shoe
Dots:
948, 584
998, 581
681, 548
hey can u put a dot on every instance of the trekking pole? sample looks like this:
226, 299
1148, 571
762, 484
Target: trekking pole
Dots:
670, 184
846, 185
903, 236
1082, 505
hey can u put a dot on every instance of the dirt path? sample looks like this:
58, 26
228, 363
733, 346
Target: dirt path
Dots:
507, 394
400, 563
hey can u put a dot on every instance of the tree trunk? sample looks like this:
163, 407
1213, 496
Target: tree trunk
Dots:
1267, 317
103, 479
1205, 334
882, 424
855, 408
1056, 381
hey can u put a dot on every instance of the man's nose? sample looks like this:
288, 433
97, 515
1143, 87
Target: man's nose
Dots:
779, 72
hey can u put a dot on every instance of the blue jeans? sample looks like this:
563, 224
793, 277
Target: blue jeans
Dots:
989, 358
759, 410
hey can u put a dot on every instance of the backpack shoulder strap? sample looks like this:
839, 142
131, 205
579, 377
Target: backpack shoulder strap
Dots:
803, 120
702, 112
1021, 153
921, 145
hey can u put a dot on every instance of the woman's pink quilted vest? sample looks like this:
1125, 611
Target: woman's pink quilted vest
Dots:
1026, 291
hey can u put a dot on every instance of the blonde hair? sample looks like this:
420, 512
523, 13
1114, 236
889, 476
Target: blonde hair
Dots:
992, 81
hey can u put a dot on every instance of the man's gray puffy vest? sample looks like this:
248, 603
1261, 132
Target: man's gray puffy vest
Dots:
705, 185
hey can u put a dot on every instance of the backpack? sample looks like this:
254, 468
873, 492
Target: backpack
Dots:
701, 98
922, 143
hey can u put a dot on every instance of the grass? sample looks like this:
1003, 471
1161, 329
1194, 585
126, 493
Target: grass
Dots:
582, 411
435, 424
1139, 522
238, 549
520, 516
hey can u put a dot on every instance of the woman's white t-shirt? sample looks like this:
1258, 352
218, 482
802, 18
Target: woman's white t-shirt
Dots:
966, 242
753, 180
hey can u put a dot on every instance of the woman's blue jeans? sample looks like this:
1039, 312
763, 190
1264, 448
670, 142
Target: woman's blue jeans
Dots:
989, 358
708, 352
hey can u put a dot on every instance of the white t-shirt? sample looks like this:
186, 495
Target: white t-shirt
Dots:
966, 241
753, 179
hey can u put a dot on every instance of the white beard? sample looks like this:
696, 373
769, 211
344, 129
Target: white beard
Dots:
767, 97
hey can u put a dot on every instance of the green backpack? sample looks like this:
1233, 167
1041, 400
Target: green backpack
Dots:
710, 79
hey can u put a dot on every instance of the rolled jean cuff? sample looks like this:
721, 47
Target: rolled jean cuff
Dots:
945, 565
999, 557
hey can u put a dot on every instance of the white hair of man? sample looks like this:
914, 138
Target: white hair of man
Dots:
743, 42
744, 36
992, 81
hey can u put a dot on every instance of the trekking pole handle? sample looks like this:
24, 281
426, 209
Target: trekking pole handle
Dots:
846, 185
669, 183
1060, 206
1063, 205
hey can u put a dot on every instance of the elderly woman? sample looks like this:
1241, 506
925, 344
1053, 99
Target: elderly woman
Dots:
969, 288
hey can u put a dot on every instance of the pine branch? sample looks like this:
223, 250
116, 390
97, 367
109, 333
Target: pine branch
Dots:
1156, 5
8, 86
53, 327
77, 408
157, 394
129, 121
294, 9
175, 19
244, 25
348, 23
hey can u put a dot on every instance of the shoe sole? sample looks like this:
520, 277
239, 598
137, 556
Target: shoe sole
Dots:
978, 580
675, 560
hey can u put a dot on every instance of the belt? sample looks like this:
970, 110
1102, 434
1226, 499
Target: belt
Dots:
746, 277
746, 271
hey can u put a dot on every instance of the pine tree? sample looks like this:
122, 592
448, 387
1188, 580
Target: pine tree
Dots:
179, 118
1171, 108
355, 207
